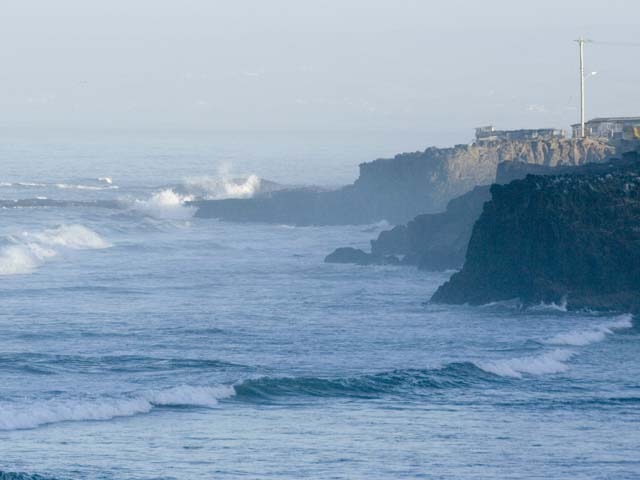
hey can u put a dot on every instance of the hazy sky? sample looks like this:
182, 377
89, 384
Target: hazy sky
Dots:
348, 65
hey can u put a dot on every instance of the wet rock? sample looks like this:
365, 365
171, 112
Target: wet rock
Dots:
545, 238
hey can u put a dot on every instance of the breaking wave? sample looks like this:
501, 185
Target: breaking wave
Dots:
555, 361
400, 382
55, 411
104, 183
543, 364
581, 338
209, 188
553, 307
173, 203
166, 204
405, 383
86, 187
25, 252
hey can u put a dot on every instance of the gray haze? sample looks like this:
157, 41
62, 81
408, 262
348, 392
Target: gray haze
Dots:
336, 65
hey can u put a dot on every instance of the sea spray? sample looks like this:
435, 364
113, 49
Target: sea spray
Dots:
166, 204
214, 188
25, 252
171, 203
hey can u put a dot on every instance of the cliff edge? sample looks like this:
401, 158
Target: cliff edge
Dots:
548, 238
410, 184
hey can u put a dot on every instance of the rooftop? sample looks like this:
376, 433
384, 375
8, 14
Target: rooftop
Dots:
610, 119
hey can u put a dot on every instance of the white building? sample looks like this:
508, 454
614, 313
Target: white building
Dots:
606, 127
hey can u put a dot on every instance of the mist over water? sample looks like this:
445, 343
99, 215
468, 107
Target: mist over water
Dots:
142, 342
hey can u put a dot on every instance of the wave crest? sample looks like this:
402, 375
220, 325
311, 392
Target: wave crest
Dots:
597, 334
166, 204
27, 251
55, 411
405, 382
173, 203
544, 364
210, 188
104, 183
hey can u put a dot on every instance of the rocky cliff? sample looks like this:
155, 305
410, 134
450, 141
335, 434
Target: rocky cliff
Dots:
441, 174
574, 236
407, 185
436, 241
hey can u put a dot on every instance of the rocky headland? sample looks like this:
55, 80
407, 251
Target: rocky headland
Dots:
438, 241
573, 236
400, 188
432, 241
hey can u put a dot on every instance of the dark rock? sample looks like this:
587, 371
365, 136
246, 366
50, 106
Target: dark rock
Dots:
545, 238
435, 241
507, 172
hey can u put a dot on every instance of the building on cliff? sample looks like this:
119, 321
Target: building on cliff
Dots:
489, 134
614, 128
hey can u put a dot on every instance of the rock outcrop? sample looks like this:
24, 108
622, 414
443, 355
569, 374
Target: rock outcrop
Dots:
436, 241
407, 185
547, 238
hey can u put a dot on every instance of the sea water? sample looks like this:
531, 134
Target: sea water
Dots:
140, 342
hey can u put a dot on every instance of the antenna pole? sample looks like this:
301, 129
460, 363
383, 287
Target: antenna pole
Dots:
581, 45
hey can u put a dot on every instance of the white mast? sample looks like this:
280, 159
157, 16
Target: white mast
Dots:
581, 42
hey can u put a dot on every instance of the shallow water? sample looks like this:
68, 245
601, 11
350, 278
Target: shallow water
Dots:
139, 342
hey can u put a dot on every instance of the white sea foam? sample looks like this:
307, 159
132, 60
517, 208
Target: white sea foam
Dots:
106, 180
554, 361
190, 396
17, 259
46, 412
29, 184
85, 187
546, 363
170, 203
24, 415
558, 307
223, 187
581, 338
166, 204
28, 250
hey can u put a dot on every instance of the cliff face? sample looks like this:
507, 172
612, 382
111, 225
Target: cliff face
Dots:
407, 185
436, 241
440, 174
545, 238
433, 241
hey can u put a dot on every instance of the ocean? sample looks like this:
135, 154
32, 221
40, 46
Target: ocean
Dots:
140, 342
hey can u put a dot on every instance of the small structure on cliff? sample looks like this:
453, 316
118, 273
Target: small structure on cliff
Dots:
614, 128
489, 134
